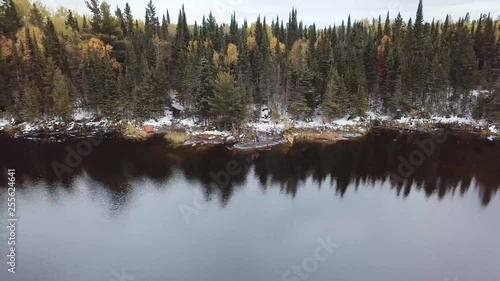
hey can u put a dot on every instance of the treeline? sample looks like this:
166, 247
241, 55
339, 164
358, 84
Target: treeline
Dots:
122, 68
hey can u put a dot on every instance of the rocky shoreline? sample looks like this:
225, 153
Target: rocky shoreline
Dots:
260, 136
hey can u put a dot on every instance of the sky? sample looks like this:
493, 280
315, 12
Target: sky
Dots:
322, 12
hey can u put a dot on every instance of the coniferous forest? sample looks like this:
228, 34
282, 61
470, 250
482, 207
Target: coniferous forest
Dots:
122, 68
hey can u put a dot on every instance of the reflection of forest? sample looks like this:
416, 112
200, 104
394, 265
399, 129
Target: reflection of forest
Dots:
455, 166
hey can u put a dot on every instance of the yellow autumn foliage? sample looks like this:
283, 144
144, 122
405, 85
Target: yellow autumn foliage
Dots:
269, 31
232, 54
251, 43
115, 64
208, 44
95, 46
36, 35
193, 47
272, 46
298, 55
215, 59
5, 47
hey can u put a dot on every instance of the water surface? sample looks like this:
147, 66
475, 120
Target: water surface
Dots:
158, 213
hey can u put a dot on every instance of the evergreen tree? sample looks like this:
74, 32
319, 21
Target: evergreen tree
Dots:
109, 24
128, 20
61, 94
120, 21
31, 103
334, 97
48, 86
35, 16
72, 21
10, 21
397, 66
205, 90
226, 104
95, 9
54, 47
151, 24
298, 108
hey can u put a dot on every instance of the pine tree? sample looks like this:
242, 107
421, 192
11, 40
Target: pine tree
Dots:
48, 86
72, 21
61, 94
298, 108
5, 91
54, 47
128, 20
35, 16
31, 102
226, 104
95, 9
10, 21
120, 21
293, 29
334, 97
109, 24
151, 23
109, 99
164, 28
205, 90
85, 27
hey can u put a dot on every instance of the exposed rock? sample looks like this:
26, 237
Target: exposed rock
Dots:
230, 140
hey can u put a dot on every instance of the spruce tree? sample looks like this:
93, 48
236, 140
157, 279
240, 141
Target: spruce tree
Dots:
226, 104
54, 48
298, 108
128, 20
31, 102
109, 26
10, 21
61, 94
334, 97
205, 90
35, 16
48, 85
72, 21
95, 9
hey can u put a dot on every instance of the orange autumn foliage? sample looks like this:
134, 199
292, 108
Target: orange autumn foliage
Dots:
6, 46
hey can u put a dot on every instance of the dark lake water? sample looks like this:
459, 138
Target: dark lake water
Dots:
121, 211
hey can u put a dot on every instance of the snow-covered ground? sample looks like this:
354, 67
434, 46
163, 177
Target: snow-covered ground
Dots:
264, 124
3, 123
166, 120
442, 120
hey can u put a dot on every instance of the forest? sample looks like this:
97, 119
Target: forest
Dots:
122, 68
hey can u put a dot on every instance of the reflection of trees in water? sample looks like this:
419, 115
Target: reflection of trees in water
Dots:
452, 169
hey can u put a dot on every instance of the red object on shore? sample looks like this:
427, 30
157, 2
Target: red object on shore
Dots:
149, 129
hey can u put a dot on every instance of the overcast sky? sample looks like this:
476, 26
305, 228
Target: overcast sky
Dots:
322, 12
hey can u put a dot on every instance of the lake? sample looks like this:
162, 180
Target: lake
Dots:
386, 206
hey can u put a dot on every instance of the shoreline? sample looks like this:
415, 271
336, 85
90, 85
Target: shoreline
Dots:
260, 135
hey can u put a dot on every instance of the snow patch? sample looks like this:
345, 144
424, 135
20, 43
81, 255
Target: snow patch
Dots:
210, 132
81, 115
166, 120
3, 123
494, 130
188, 122
267, 127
